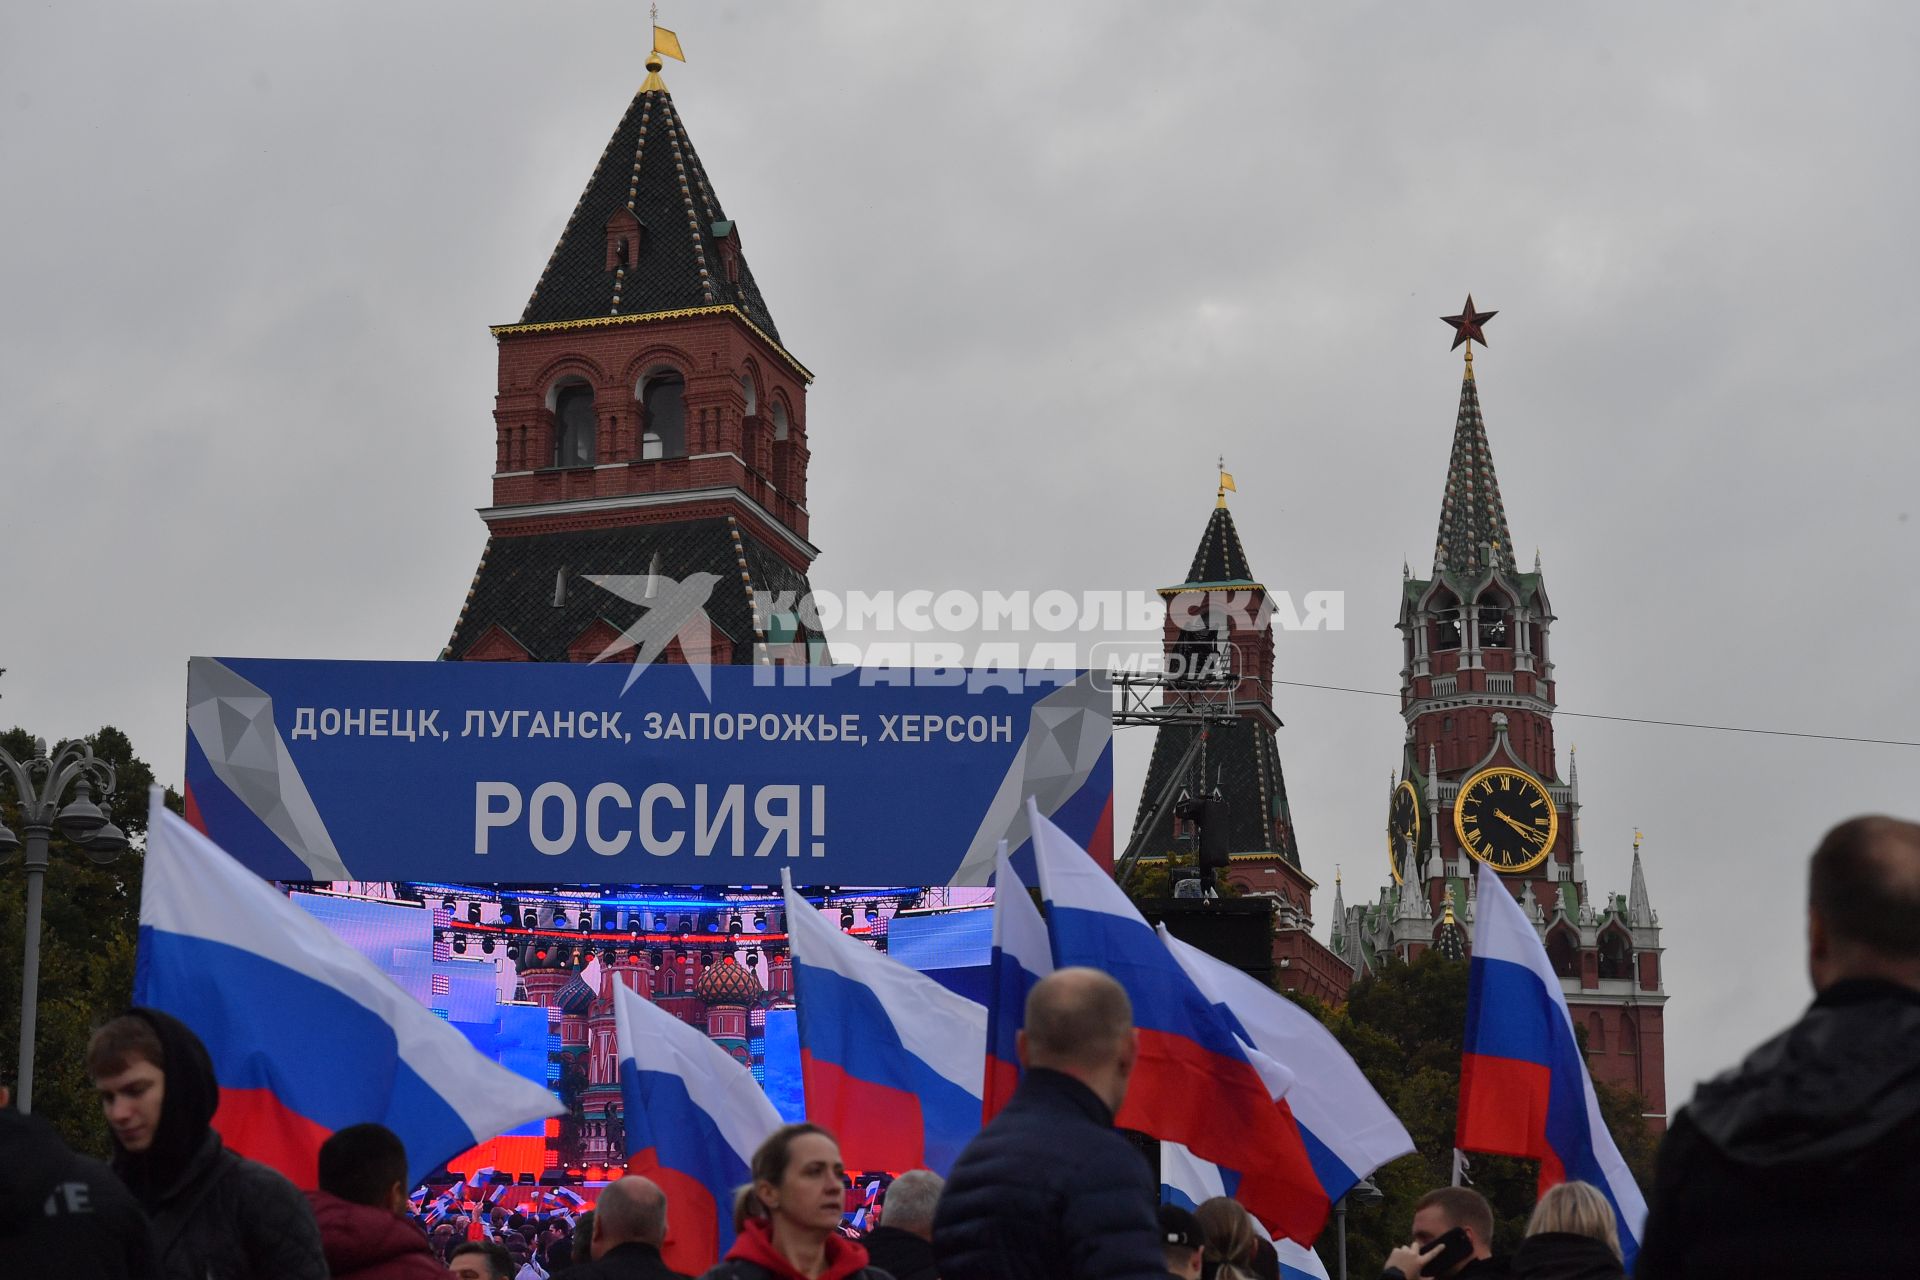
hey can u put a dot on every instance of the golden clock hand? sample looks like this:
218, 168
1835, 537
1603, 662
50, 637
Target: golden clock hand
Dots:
1528, 832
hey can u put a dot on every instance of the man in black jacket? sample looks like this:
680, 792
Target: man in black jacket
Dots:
1435, 1215
1805, 1159
629, 1226
902, 1243
64, 1214
1048, 1189
213, 1212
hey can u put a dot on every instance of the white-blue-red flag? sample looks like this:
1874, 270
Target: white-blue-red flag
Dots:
1348, 1129
1524, 1088
694, 1116
1194, 1082
891, 1060
1021, 957
307, 1036
1189, 1181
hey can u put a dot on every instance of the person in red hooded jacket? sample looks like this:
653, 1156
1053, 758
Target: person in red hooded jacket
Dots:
800, 1182
361, 1207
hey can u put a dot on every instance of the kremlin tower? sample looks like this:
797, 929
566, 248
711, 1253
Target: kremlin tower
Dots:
1479, 779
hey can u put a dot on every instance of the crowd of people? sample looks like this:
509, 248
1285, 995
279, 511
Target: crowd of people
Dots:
1802, 1161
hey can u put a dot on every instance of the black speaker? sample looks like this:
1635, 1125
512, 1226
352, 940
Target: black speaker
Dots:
1238, 931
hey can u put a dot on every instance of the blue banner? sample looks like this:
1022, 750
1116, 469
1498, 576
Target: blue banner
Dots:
554, 773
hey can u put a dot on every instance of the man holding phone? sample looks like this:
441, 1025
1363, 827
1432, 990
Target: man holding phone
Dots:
1452, 1239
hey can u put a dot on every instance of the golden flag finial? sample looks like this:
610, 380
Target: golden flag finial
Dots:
1226, 484
665, 44
1637, 837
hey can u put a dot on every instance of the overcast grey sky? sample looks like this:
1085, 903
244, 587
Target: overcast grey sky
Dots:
1047, 262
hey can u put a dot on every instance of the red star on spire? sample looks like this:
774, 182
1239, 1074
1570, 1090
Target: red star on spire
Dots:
1469, 325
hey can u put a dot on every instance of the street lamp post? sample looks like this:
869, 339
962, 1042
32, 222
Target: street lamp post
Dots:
40, 782
1363, 1191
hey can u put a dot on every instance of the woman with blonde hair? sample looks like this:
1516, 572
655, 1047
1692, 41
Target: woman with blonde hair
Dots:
1571, 1236
1230, 1240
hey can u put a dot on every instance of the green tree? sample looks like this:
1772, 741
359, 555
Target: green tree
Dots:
1404, 1027
89, 928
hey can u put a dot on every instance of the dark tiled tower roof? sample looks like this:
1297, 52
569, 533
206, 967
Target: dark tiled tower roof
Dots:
684, 260
1241, 755
1471, 513
1220, 557
536, 588
1243, 758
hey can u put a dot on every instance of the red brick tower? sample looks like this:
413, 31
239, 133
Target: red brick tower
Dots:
1218, 639
1479, 781
649, 424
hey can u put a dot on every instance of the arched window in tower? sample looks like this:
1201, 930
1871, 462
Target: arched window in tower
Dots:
1562, 954
663, 416
1446, 622
573, 426
1616, 955
779, 421
1629, 1038
1495, 631
747, 394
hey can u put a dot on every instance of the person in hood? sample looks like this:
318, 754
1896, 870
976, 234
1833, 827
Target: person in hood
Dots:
64, 1214
1805, 1159
1571, 1236
361, 1207
215, 1215
801, 1183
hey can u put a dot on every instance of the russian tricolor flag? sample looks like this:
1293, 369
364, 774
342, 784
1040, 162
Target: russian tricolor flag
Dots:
694, 1117
892, 1061
1189, 1181
1194, 1083
307, 1036
1021, 957
1347, 1129
1524, 1088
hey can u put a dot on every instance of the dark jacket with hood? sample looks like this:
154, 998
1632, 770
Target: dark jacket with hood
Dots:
1564, 1255
215, 1215
1804, 1160
630, 1261
901, 1254
1049, 1189
63, 1214
366, 1242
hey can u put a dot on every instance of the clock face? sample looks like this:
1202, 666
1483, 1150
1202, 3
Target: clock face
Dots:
1506, 819
1403, 825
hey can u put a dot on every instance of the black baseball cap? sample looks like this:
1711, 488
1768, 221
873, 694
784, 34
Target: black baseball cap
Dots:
1180, 1228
